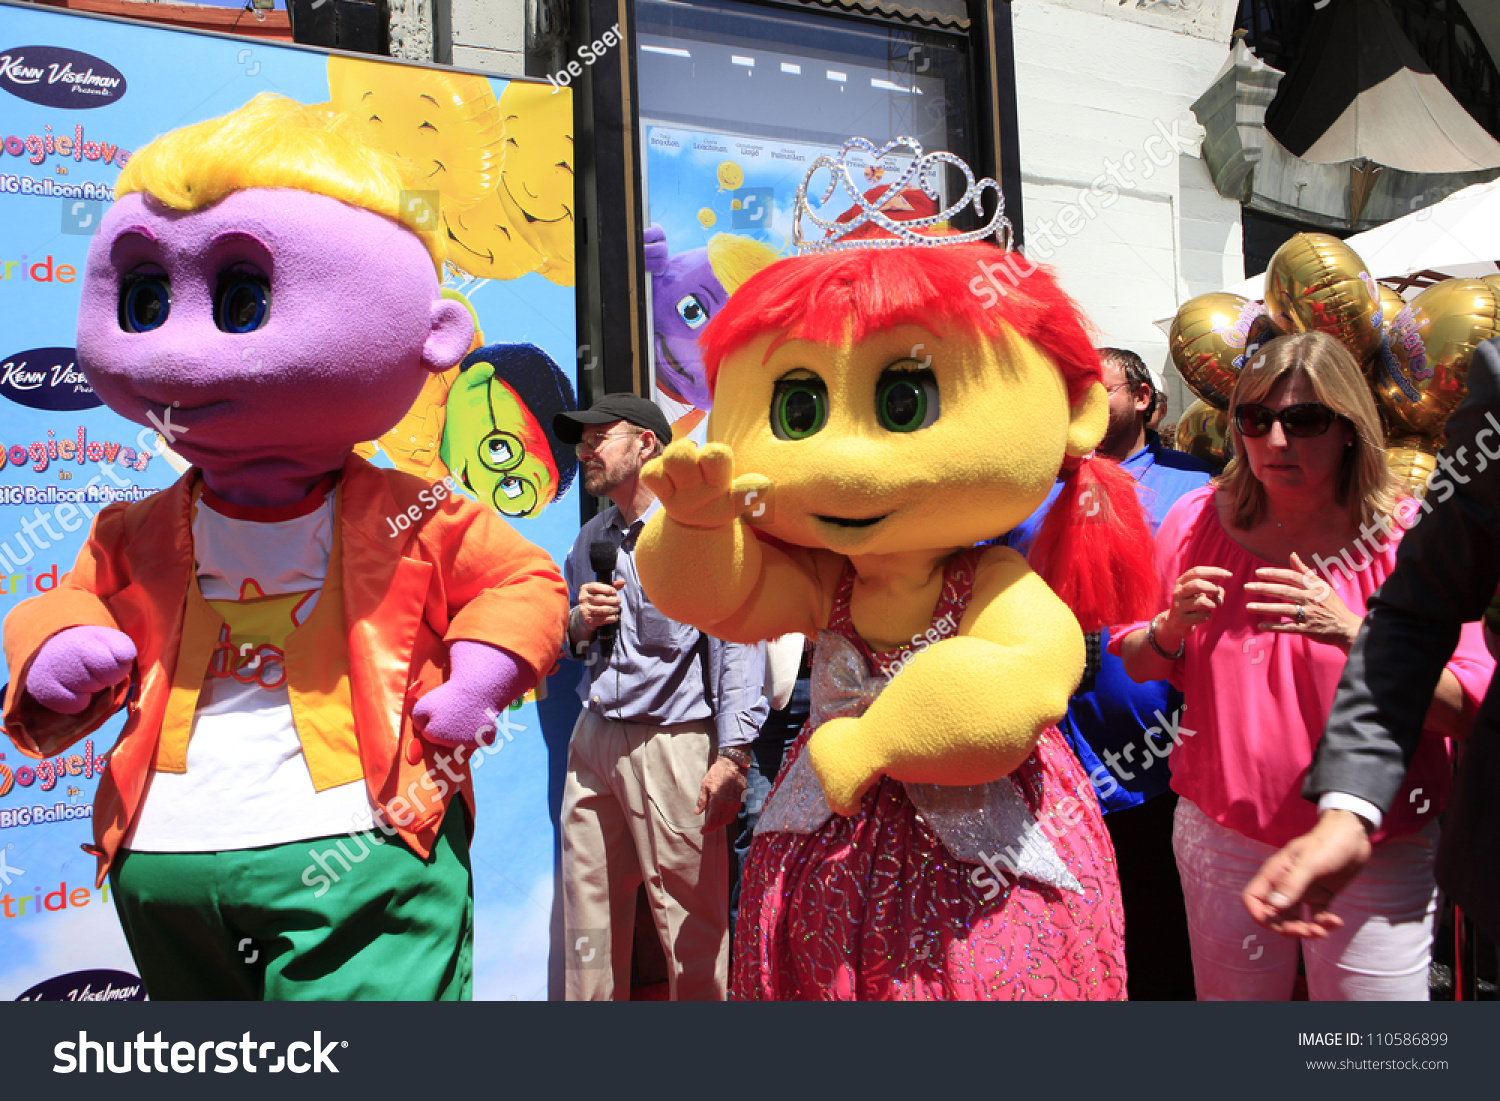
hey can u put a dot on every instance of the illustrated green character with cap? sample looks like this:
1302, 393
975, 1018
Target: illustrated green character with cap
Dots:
497, 438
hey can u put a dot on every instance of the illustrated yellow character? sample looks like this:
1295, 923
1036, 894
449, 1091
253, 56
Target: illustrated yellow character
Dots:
526, 222
447, 124
890, 423
503, 168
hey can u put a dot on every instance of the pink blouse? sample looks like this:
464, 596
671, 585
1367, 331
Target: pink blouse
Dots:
1256, 701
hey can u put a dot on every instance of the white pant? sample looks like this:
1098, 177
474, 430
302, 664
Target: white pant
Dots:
1381, 953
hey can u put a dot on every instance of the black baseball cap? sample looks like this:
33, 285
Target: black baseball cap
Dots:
631, 408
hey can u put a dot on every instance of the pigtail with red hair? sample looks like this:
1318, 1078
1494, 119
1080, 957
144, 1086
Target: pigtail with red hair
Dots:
1094, 548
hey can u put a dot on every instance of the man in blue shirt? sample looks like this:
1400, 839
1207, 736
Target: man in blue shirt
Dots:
1122, 731
657, 760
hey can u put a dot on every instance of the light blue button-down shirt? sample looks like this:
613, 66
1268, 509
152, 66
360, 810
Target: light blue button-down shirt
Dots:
662, 672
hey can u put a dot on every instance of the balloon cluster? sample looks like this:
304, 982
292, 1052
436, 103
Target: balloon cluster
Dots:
1414, 355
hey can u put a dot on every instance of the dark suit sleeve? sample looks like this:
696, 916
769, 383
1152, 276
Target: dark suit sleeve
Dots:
1447, 568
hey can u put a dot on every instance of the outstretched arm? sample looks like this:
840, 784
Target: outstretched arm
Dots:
968, 709
701, 564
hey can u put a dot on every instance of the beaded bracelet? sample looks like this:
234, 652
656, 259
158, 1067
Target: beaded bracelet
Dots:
1151, 640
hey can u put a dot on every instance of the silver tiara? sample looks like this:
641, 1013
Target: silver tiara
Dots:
925, 169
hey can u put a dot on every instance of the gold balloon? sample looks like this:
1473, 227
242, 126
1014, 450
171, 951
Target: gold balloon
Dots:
1203, 432
1420, 377
1391, 304
1212, 336
1316, 283
1411, 462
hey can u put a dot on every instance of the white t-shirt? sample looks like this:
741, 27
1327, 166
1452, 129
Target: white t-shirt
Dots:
247, 783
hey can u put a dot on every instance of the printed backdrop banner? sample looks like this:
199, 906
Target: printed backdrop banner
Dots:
721, 208
78, 96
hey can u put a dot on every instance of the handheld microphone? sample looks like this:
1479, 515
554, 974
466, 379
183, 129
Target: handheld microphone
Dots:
602, 561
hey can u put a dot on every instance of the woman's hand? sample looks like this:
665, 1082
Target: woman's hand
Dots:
1308, 603
1195, 597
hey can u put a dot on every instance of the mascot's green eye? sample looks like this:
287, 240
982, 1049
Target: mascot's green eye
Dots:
799, 407
906, 400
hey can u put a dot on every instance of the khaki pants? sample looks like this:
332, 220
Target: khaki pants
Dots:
628, 817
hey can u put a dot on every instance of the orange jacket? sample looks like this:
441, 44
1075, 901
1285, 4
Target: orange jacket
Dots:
459, 572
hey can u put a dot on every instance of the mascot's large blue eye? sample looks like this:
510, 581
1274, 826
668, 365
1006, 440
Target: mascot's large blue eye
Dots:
906, 400
693, 312
799, 407
145, 301
242, 302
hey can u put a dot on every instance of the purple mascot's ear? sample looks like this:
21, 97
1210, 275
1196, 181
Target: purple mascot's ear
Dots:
449, 339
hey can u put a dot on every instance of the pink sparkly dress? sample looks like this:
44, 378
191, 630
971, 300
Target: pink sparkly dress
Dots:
899, 903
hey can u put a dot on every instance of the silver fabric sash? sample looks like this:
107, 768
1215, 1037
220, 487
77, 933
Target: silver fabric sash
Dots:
987, 824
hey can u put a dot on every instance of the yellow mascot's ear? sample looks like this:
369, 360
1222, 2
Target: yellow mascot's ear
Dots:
1087, 420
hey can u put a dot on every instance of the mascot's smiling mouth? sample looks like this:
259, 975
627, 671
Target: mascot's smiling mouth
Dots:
667, 365
848, 522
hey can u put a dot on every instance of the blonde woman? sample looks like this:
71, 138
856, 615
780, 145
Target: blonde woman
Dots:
1265, 574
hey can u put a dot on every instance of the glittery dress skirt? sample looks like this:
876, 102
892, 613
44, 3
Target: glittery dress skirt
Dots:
875, 907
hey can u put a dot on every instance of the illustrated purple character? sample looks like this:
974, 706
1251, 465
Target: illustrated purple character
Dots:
686, 290
305, 680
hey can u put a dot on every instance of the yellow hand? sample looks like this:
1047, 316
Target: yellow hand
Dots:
846, 761
698, 488
968, 709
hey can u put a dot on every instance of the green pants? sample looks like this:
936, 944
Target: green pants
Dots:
333, 919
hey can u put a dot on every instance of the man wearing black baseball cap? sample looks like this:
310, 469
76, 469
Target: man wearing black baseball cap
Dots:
663, 705
631, 408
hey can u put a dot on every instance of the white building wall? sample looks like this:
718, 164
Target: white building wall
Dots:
1127, 215
489, 35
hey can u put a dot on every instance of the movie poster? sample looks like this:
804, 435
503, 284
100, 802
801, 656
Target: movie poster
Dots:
720, 209
78, 96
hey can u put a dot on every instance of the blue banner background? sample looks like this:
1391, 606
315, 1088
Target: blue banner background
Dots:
174, 79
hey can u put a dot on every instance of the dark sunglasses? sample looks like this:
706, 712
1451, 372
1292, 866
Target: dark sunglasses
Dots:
1310, 418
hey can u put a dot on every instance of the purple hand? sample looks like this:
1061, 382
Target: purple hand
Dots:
656, 249
483, 681
74, 664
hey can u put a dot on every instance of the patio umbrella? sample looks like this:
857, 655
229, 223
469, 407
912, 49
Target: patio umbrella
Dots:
1458, 237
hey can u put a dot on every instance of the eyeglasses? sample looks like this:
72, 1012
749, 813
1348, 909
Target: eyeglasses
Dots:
1306, 419
594, 444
